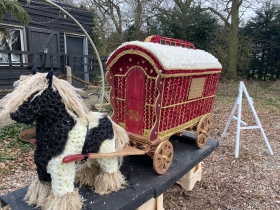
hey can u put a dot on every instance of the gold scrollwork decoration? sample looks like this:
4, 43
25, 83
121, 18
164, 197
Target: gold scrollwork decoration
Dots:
172, 131
134, 115
147, 133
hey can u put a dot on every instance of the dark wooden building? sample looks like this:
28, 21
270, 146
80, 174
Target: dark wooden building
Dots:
21, 47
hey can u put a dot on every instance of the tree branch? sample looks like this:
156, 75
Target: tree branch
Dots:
218, 14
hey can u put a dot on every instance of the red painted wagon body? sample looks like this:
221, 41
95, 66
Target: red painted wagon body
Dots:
159, 90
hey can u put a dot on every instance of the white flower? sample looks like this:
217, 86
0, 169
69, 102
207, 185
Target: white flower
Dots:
174, 57
63, 174
108, 165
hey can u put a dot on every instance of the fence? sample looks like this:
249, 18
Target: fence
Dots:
85, 67
15, 63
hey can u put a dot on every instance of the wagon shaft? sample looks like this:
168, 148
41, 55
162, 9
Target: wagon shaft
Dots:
127, 150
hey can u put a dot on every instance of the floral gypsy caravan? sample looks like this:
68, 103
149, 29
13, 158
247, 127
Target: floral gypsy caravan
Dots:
161, 87
65, 126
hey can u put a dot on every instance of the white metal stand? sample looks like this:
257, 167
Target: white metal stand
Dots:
238, 103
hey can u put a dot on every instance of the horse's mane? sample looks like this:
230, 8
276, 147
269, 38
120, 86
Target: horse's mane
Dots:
30, 84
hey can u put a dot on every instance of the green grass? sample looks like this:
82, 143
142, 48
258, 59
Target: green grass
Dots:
265, 94
7, 157
9, 140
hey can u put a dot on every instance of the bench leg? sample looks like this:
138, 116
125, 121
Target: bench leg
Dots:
153, 204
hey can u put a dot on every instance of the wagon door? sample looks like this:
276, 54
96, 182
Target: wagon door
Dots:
135, 101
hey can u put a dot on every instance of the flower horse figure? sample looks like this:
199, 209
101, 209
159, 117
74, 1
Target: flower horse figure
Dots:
65, 126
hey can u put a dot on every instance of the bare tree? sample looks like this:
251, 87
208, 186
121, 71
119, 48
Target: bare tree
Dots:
109, 13
117, 17
230, 12
138, 13
183, 4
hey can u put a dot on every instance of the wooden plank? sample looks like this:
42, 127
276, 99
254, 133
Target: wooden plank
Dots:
51, 14
138, 137
47, 8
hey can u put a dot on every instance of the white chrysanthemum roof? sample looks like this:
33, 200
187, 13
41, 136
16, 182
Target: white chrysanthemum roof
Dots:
172, 57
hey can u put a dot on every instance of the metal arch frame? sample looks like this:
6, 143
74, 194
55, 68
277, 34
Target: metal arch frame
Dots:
91, 42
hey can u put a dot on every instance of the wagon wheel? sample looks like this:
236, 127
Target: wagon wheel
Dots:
203, 131
163, 157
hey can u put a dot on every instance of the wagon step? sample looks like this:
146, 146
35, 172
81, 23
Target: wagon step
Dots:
127, 150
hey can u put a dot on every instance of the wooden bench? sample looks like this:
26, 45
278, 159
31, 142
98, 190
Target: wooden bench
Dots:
144, 182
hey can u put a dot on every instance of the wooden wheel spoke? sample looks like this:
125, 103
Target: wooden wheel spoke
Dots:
202, 138
159, 159
203, 131
163, 157
163, 165
202, 126
168, 160
160, 166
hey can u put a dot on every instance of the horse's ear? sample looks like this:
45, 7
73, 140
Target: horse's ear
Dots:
34, 70
50, 77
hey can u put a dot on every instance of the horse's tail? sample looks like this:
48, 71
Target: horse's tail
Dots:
121, 137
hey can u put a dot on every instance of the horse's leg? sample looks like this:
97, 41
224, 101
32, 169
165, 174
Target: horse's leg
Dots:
86, 173
110, 178
37, 192
63, 196
39, 189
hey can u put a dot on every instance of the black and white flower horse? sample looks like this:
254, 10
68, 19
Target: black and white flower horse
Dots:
65, 126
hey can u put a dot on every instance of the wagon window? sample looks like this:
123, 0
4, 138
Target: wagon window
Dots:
172, 43
196, 89
162, 42
183, 45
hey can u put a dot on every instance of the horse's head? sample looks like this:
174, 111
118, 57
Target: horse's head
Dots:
28, 112
31, 97
41, 96
36, 106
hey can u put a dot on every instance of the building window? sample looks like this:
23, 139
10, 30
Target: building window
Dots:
11, 38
